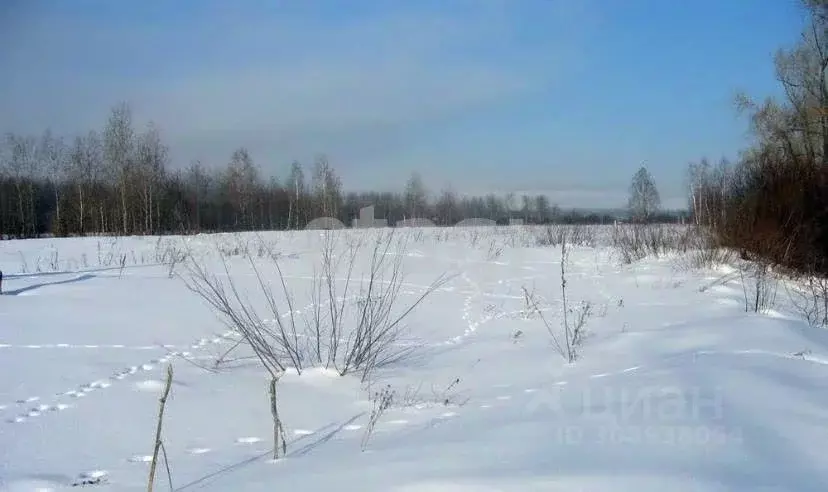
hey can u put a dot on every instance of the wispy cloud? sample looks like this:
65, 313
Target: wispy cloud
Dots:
244, 75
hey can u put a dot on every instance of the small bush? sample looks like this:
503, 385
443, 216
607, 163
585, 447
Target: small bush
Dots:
557, 234
810, 297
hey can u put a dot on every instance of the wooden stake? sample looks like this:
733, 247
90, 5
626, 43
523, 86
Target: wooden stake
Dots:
158, 444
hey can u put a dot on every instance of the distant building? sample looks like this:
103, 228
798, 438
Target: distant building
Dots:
366, 219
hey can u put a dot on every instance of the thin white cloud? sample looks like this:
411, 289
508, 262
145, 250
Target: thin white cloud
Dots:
399, 64
356, 86
328, 96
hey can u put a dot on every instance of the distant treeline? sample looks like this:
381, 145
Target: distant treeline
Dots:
119, 181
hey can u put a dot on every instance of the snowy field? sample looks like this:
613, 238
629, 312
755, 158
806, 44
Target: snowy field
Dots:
675, 386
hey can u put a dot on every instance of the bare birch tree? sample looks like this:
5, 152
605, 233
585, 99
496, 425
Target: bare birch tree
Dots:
119, 140
644, 199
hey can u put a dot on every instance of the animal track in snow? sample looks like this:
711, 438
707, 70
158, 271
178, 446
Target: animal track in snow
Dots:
84, 389
446, 415
246, 440
36, 412
86, 346
471, 325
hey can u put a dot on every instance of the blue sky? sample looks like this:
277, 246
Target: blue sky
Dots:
563, 97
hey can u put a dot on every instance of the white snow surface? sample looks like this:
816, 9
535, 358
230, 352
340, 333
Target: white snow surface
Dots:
676, 387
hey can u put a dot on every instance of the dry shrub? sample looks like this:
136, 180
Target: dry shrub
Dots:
637, 241
775, 208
